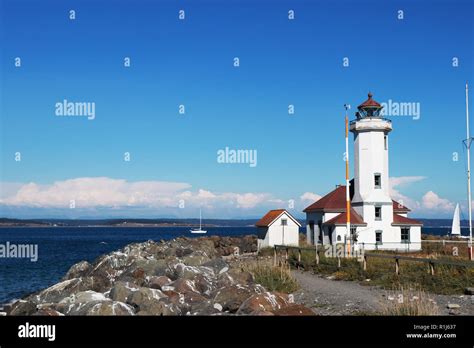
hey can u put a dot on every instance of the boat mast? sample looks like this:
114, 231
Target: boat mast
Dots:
468, 145
348, 197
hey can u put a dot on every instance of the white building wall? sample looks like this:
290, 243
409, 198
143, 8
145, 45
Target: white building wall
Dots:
281, 235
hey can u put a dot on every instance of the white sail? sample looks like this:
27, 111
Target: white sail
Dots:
456, 228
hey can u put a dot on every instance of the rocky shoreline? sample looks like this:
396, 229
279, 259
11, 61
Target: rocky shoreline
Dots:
183, 276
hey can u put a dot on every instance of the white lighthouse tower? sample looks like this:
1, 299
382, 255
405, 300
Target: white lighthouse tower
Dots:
376, 221
371, 180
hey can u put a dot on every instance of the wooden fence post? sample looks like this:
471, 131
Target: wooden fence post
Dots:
299, 258
338, 262
286, 255
364, 263
397, 266
431, 269
274, 256
317, 255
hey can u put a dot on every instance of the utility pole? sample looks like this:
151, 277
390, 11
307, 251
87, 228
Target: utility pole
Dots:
348, 196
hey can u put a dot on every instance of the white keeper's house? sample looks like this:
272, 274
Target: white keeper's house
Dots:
277, 227
377, 221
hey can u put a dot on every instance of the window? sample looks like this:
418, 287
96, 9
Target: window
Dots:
378, 237
385, 142
284, 222
405, 235
354, 233
378, 213
339, 238
377, 180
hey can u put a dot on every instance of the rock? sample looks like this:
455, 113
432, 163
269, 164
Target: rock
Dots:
241, 277
180, 252
184, 286
155, 282
49, 312
183, 276
150, 267
83, 297
469, 291
217, 265
144, 299
78, 270
204, 284
108, 266
294, 309
190, 272
267, 302
453, 306
203, 307
122, 290
161, 307
58, 291
94, 283
23, 307
232, 297
107, 307
261, 313
195, 259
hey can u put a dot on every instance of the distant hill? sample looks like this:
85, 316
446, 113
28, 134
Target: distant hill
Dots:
7, 222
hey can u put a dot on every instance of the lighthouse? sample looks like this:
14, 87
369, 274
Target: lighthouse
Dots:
371, 198
376, 221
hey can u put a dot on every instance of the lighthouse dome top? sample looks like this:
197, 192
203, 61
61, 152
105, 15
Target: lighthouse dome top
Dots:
369, 108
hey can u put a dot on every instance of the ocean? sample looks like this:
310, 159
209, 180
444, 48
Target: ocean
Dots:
61, 247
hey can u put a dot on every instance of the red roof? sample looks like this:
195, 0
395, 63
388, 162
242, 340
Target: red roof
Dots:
271, 216
399, 208
401, 220
335, 201
341, 219
369, 103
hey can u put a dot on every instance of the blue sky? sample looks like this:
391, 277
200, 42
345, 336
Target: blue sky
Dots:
190, 62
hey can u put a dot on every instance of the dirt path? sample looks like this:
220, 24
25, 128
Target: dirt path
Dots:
331, 297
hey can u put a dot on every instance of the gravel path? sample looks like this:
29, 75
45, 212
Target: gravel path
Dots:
331, 297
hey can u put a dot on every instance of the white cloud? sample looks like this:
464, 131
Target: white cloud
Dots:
430, 205
104, 192
310, 196
433, 202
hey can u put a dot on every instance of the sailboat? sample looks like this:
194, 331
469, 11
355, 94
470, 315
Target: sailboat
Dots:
198, 230
456, 227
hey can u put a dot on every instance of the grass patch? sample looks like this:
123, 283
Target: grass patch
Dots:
447, 279
409, 303
274, 278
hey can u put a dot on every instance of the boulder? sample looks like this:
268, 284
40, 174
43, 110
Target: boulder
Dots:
232, 297
48, 312
105, 307
144, 298
155, 282
195, 259
217, 265
267, 301
22, 307
162, 307
57, 292
183, 286
78, 270
122, 290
